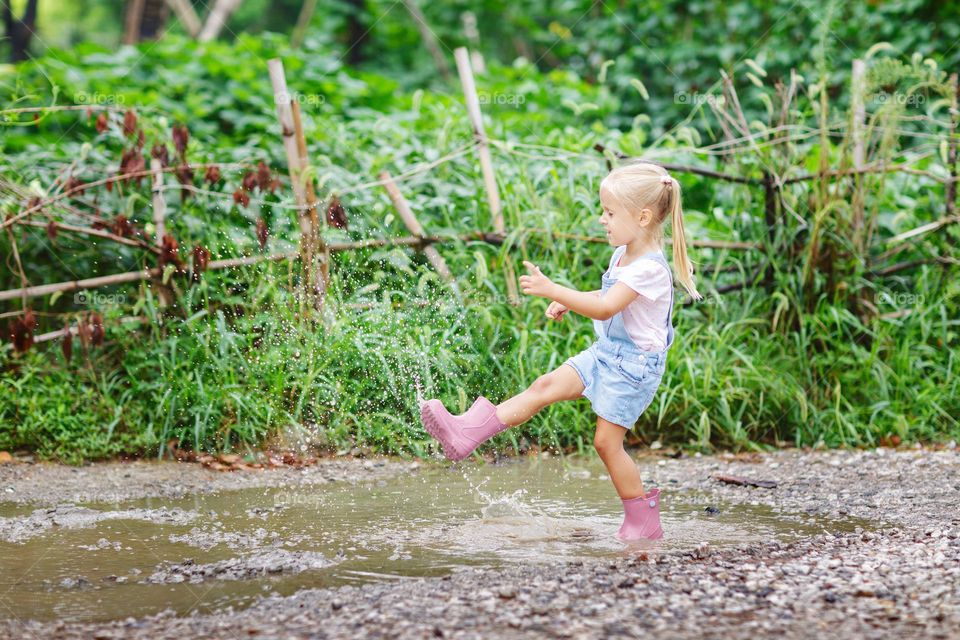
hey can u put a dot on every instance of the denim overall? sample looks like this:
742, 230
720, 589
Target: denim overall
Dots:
619, 378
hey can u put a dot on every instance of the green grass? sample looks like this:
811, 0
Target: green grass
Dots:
793, 362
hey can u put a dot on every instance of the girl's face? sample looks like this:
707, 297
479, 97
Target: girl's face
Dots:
621, 227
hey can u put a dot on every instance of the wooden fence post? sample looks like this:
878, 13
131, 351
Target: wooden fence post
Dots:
282, 100
473, 37
132, 20
165, 292
486, 162
159, 204
410, 220
859, 112
951, 191
319, 254
483, 147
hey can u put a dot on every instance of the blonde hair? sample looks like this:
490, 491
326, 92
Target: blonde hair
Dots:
643, 185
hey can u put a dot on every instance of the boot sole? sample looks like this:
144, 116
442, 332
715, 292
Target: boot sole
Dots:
434, 427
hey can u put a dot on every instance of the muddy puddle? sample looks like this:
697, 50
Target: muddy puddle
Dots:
200, 553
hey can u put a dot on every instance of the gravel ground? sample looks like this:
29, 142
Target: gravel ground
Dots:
899, 578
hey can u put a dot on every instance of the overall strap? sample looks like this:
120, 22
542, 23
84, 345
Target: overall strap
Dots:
615, 257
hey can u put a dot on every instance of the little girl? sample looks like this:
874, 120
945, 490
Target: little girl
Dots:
622, 369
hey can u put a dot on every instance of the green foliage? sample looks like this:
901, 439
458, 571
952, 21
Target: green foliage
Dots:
800, 360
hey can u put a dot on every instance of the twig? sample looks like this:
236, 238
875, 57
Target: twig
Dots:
879, 168
709, 173
98, 233
428, 37
16, 256
909, 264
410, 220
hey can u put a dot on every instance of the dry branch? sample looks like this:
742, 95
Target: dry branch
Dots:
910, 264
97, 233
217, 19
75, 329
410, 220
681, 168
429, 37
187, 16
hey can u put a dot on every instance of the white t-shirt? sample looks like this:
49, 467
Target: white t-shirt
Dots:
645, 319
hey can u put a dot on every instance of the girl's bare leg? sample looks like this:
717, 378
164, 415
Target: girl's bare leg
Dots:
608, 441
563, 383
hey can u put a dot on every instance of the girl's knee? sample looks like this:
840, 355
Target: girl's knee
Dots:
544, 385
607, 444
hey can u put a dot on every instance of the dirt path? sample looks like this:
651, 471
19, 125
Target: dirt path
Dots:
899, 578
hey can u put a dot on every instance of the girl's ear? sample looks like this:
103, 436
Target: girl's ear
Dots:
644, 217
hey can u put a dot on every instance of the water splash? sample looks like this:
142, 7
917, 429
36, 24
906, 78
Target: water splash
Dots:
418, 387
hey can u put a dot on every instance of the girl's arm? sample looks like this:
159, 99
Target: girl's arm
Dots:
556, 310
586, 303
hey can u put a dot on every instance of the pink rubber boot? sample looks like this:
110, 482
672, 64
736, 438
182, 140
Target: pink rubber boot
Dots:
641, 520
460, 435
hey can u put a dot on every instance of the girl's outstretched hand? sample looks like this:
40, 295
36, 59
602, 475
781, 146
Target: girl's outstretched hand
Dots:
556, 310
535, 283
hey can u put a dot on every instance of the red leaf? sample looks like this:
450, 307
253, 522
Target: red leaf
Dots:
336, 214
263, 176
20, 331
66, 344
122, 227
169, 253
241, 197
262, 232
96, 329
185, 176
180, 137
129, 122
132, 162
212, 174
161, 153
249, 181
201, 258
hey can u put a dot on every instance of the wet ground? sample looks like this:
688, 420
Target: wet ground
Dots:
865, 542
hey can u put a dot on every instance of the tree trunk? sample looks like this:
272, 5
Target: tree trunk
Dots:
356, 32
144, 20
20, 30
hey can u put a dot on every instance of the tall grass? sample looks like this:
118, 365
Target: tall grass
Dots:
798, 357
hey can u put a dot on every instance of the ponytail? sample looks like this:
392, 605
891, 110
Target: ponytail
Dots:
682, 264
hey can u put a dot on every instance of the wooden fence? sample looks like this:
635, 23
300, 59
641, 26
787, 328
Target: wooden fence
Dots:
314, 252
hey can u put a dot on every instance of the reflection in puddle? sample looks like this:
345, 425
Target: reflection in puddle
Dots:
230, 548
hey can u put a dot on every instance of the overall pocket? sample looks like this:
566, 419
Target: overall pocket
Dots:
636, 372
